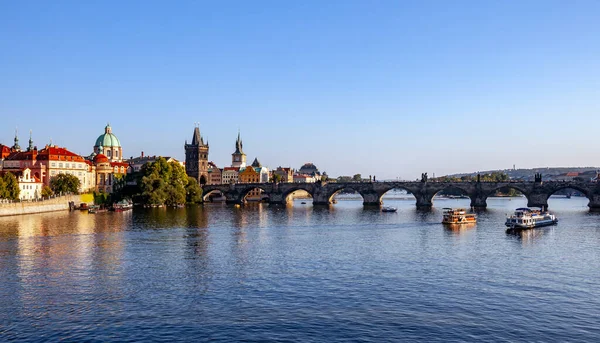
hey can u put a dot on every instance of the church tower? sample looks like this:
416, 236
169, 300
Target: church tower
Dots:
196, 158
238, 158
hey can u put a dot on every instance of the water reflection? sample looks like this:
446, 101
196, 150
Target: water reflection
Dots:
529, 236
233, 273
457, 229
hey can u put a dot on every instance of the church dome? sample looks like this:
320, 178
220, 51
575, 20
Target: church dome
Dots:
108, 139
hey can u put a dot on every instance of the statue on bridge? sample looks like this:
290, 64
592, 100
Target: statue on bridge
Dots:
424, 177
538, 177
478, 177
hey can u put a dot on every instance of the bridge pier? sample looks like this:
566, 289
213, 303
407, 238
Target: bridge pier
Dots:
478, 201
424, 202
277, 199
321, 198
371, 199
594, 203
538, 200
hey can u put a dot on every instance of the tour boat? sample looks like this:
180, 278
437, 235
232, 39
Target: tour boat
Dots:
527, 218
457, 216
388, 209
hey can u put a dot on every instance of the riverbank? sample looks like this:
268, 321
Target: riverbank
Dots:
32, 207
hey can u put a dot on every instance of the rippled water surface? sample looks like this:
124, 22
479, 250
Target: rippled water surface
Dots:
299, 273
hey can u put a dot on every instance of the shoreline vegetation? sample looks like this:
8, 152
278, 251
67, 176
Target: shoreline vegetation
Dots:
159, 183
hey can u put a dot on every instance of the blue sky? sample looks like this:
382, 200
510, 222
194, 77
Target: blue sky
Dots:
388, 88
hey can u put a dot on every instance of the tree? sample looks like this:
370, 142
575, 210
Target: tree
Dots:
64, 183
46, 192
357, 177
175, 195
2, 188
10, 188
163, 183
101, 198
193, 192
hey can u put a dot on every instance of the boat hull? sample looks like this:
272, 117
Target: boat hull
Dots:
459, 222
518, 227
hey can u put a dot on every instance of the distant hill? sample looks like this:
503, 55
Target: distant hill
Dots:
548, 173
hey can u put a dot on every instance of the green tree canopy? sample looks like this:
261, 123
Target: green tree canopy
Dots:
64, 183
193, 192
357, 177
164, 183
9, 187
46, 192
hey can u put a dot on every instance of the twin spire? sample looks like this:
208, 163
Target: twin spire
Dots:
17, 147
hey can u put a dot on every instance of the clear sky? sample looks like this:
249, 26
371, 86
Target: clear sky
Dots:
388, 88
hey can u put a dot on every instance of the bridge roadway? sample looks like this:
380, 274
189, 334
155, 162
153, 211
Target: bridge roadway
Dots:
537, 193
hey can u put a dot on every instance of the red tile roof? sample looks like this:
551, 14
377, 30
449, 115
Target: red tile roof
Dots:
4, 151
55, 153
22, 156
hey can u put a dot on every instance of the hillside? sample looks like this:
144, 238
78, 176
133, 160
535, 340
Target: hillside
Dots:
548, 173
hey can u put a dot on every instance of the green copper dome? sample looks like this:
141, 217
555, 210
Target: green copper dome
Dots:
108, 139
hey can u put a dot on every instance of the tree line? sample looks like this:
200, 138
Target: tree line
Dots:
59, 184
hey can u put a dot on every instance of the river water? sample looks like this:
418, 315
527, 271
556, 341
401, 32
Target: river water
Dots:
260, 273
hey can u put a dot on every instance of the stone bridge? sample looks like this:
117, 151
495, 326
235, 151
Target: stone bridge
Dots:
537, 193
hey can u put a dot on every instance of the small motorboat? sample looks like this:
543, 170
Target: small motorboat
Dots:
303, 203
388, 209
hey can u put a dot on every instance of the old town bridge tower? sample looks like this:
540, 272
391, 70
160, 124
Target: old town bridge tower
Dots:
196, 158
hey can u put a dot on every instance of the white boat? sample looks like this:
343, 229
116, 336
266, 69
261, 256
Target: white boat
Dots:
527, 218
388, 209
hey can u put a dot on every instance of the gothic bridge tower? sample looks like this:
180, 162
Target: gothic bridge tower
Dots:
238, 158
196, 158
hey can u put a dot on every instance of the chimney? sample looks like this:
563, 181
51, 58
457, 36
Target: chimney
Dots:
142, 154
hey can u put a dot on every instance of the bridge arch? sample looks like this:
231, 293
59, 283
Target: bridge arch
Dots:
516, 187
212, 193
559, 186
386, 193
256, 192
331, 195
452, 190
286, 194
479, 198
